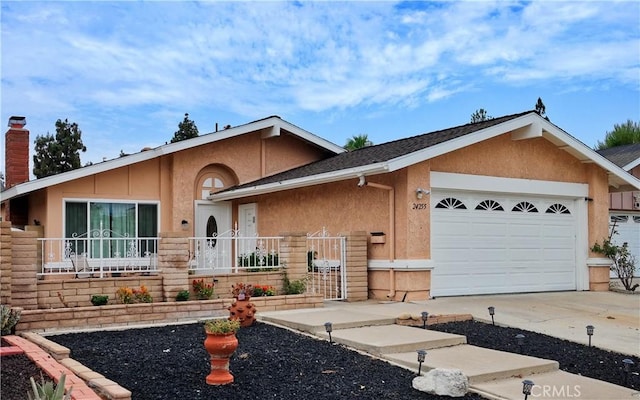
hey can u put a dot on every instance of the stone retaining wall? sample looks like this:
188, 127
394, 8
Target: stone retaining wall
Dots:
47, 320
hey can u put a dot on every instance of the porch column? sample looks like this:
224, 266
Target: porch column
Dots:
357, 280
5, 262
173, 261
24, 284
293, 253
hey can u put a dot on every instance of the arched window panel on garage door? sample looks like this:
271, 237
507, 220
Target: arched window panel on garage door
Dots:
451, 203
619, 218
489, 205
525, 207
558, 208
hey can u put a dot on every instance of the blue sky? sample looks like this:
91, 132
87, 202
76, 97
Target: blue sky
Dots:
127, 72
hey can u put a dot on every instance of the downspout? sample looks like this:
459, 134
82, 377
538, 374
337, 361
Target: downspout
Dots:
392, 234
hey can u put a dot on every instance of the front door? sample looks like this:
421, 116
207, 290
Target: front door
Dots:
213, 231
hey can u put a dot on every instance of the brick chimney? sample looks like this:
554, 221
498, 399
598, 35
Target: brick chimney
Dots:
17, 152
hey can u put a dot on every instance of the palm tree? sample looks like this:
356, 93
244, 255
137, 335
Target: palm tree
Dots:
357, 142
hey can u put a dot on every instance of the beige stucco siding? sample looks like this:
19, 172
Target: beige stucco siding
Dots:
172, 180
343, 206
523, 159
136, 183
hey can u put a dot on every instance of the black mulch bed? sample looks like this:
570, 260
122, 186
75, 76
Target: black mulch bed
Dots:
572, 357
15, 372
171, 363
270, 363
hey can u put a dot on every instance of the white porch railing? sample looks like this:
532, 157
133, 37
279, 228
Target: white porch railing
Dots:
228, 252
98, 252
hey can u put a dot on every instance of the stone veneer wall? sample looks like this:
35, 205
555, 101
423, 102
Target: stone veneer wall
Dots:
24, 250
151, 313
5, 262
72, 292
357, 281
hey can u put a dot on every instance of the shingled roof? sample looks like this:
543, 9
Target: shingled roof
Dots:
379, 153
622, 155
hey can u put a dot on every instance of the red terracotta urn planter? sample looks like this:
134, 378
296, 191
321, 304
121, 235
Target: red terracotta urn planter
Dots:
220, 347
221, 343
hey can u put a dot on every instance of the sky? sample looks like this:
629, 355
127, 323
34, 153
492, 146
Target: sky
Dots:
127, 72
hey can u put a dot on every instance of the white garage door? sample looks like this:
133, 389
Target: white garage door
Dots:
495, 243
627, 226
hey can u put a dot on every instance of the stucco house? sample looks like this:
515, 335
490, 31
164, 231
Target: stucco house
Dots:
624, 207
507, 205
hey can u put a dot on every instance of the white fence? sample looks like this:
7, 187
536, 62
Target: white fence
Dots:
98, 253
326, 261
230, 253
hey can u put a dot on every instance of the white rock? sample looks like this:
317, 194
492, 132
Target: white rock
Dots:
443, 382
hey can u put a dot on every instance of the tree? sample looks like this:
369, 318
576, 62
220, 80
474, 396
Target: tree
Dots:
541, 109
480, 115
187, 129
59, 153
357, 142
627, 133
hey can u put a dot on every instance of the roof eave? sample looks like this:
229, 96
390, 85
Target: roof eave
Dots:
334, 176
632, 165
275, 123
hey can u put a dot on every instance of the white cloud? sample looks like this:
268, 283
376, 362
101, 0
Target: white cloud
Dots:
108, 59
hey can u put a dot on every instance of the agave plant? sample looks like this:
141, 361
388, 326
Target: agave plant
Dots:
46, 390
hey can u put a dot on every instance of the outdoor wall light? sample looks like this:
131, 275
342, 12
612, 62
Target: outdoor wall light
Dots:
628, 363
421, 192
425, 316
590, 333
527, 385
185, 224
520, 340
421, 355
328, 326
492, 312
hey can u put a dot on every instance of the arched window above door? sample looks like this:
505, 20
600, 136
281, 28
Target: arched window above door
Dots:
211, 184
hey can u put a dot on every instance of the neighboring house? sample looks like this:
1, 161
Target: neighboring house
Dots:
511, 204
624, 207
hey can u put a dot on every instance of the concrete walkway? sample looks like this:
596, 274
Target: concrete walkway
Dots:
367, 326
615, 316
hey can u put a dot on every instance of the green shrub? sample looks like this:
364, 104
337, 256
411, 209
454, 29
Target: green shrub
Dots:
293, 287
182, 295
10, 318
259, 263
99, 299
46, 390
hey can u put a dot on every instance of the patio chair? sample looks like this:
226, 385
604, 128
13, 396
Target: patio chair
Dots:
81, 265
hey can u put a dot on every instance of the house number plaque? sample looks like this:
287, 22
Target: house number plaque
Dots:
419, 206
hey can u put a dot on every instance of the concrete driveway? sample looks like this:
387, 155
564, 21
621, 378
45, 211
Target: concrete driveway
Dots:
615, 316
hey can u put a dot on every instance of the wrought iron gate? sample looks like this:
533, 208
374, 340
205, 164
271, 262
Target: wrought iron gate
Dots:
326, 265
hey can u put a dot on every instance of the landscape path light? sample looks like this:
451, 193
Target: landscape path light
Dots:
527, 385
328, 326
520, 341
492, 312
421, 356
425, 316
628, 363
590, 333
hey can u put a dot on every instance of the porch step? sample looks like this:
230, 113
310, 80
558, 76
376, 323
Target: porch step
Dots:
556, 385
379, 340
477, 363
312, 321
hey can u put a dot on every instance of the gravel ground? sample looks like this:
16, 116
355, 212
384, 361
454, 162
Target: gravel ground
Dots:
270, 363
572, 357
273, 363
